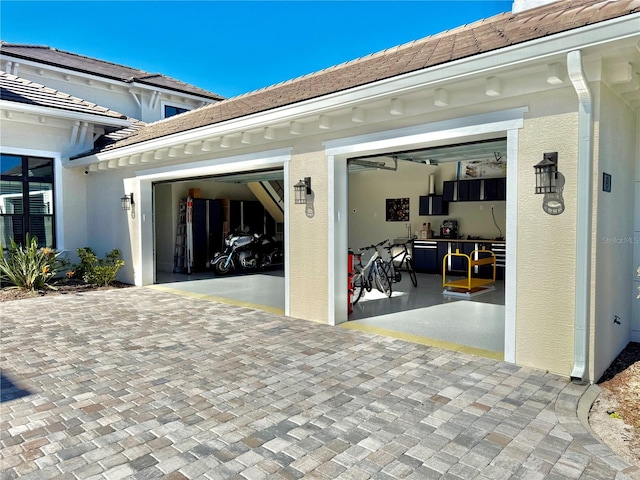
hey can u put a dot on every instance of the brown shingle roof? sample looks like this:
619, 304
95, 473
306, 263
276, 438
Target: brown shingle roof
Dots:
487, 35
20, 90
80, 63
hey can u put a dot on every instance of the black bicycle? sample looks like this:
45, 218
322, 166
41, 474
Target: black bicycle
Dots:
399, 255
365, 276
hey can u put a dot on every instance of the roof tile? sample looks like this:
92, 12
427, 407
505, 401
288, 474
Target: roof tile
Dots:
479, 37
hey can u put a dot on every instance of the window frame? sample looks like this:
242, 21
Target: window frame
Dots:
177, 109
27, 217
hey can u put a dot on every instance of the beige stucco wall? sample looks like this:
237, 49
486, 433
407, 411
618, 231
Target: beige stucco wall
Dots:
546, 243
308, 240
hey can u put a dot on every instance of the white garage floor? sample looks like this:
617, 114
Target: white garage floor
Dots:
421, 314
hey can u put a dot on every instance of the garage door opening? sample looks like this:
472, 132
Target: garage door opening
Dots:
448, 205
222, 237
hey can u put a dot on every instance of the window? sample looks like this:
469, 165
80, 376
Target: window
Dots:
170, 111
26, 199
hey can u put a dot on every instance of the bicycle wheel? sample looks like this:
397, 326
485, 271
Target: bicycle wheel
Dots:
382, 279
411, 271
358, 286
389, 269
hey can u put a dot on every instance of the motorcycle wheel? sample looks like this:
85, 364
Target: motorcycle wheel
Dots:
219, 265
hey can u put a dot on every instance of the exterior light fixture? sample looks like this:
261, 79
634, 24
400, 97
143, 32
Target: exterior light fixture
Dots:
302, 190
127, 202
547, 173
550, 182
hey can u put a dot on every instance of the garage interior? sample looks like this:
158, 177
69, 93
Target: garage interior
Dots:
419, 177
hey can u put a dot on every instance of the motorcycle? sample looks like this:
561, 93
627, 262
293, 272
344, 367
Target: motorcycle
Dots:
246, 251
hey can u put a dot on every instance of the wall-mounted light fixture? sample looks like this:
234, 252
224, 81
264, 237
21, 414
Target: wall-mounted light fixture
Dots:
127, 202
547, 173
550, 182
302, 190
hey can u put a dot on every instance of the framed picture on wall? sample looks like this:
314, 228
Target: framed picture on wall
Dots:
397, 209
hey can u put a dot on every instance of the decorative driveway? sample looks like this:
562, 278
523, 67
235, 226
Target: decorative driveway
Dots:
140, 383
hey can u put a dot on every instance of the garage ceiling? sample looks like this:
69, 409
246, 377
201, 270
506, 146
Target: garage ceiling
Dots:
483, 150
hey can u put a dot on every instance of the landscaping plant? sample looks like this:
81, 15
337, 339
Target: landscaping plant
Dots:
96, 271
30, 267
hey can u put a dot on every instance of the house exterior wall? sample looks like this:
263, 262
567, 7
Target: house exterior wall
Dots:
308, 239
546, 243
615, 240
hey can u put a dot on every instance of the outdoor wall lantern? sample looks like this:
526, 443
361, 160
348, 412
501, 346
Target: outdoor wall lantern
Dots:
550, 182
127, 202
302, 191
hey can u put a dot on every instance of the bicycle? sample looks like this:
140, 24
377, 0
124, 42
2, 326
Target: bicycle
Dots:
364, 277
398, 254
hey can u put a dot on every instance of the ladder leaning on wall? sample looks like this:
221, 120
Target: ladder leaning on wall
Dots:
180, 252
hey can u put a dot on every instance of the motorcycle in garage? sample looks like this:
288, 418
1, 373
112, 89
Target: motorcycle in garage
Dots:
246, 252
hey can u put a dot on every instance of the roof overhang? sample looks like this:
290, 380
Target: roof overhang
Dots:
594, 39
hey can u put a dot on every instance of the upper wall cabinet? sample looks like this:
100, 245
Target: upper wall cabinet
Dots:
433, 205
475, 190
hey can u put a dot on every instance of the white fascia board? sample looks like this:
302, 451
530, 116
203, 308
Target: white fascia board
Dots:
535, 50
217, 166
64, 114
489, 122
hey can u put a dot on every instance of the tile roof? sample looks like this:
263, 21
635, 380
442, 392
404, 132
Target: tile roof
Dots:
491, 34
20, 90
80, 63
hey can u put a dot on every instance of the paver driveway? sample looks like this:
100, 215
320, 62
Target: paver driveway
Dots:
138, 383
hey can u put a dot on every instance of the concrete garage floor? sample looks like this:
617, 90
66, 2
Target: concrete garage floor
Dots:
421, 314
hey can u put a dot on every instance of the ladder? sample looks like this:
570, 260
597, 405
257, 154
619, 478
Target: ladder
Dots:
180, 252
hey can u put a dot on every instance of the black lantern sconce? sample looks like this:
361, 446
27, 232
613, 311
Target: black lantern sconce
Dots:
550, 182
127, 202
547, 173
303, 191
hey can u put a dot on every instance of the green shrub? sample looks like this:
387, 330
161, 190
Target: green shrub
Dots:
30, 267
96, 271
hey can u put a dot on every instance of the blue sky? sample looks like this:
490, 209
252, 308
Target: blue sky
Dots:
235, 47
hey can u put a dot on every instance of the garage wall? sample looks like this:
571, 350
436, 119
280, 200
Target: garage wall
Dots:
368, 191
167, 200
546, 243
309, 240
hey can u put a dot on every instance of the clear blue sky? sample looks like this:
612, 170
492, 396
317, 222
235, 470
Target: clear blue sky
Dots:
233, 47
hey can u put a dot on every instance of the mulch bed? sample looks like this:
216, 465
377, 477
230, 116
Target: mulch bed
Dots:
61, 287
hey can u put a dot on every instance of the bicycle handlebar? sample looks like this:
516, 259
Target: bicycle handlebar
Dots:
373, 246
389, 247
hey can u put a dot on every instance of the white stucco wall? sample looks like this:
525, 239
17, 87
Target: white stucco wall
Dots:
615, 239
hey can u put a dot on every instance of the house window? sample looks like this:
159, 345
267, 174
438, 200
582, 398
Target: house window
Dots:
170, 111
26, 199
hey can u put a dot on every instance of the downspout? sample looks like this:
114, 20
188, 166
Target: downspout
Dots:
580, 373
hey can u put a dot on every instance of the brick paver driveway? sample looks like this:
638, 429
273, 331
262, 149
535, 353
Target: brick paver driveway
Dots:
138, 383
